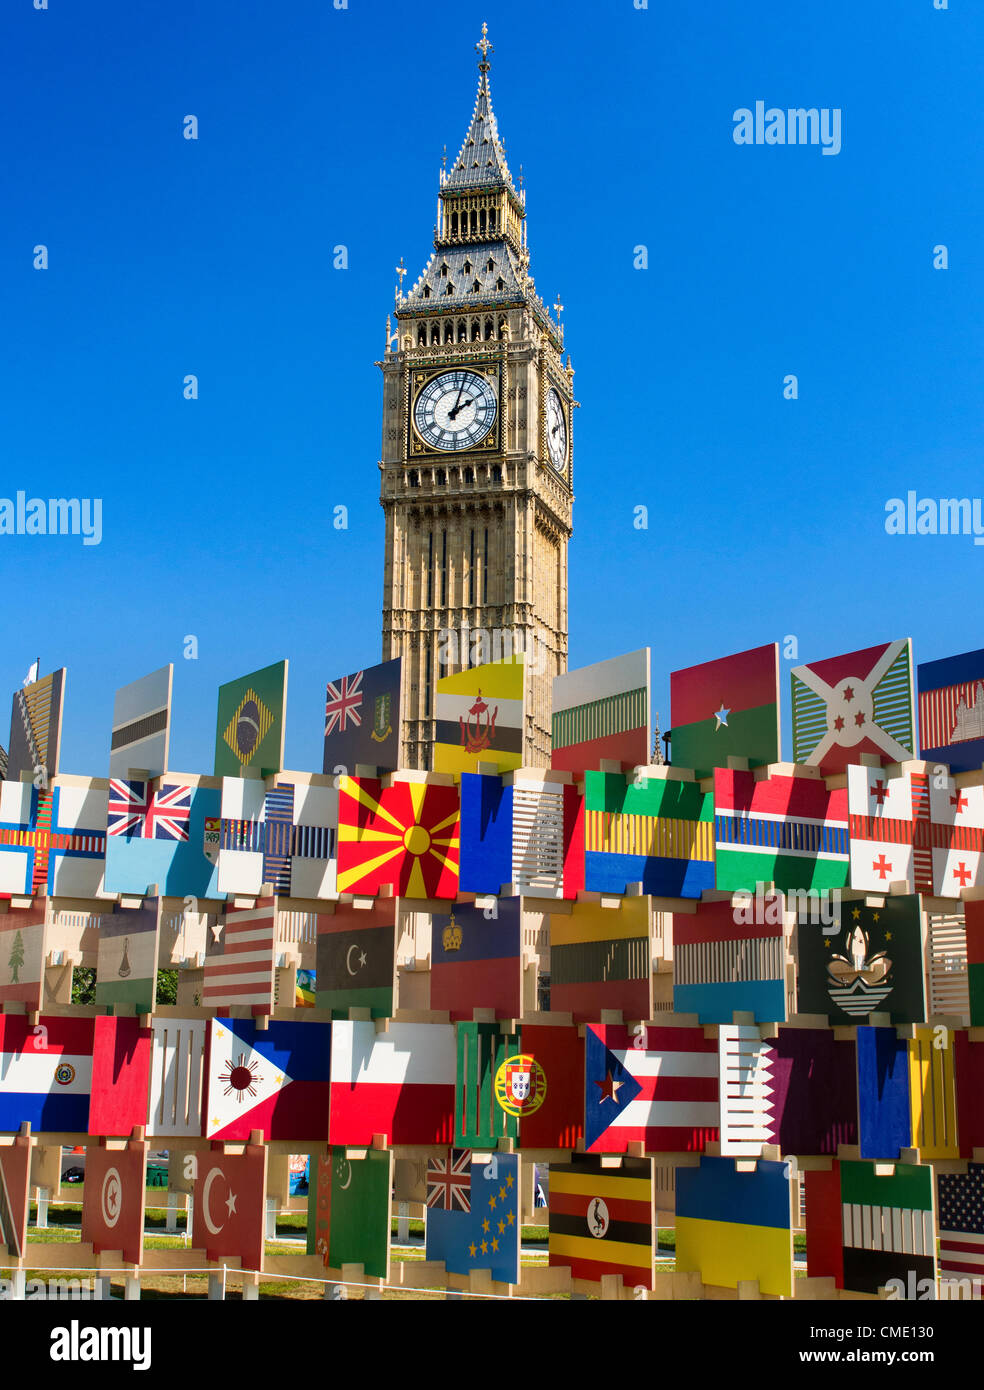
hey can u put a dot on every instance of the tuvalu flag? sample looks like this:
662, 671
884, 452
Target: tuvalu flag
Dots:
356, 959
861, 702
275, 1080
601, 1221
480, 717
476, 962
349, 1211
480, 1229
726, 708
22, 955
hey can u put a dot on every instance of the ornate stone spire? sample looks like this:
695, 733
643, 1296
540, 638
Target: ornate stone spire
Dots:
481, 162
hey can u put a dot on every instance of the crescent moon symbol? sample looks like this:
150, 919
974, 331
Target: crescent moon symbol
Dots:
206, 1214
348, 959
345, 1185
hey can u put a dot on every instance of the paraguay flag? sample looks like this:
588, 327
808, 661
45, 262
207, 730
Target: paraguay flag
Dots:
45, 1073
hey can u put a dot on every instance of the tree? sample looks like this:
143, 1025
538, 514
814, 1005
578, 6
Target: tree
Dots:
83, 985
167, 986
16, 957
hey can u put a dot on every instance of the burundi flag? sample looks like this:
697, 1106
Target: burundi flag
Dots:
349, 1211
862, 702
480, 717
726, 708
733, 1224
657, 1087
485, 1233
789, 831
404, 835
249, 725
602, 711
951, 711
656, 831
601, 1220
274, 1079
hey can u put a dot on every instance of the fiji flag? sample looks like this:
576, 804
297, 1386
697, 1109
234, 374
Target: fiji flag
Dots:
480, 1228
45, 1073
275, 1079
173, 856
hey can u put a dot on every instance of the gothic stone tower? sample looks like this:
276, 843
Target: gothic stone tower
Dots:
476, 451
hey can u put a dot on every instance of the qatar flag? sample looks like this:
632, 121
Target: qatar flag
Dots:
230, 1205
271, 1079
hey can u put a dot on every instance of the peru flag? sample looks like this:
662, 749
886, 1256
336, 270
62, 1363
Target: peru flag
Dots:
274, 1080
399, 1083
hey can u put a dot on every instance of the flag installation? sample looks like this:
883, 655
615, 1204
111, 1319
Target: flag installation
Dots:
476, 961
45, 1076
865, 1226
869, 959
662, 1093
654, 830
114, 1199
859, 703
486, 833
789, 831
126, 963
726, 708
951, 710
889, 828
485, 1234
356, 959
601, 1220
22, 956
35, 729
932, 1081
404, 836
961, 1221
734, 1225
240, 958
602, 711
142, 725
230, 1205
349, 1211
480, 717
160, 837
957, 827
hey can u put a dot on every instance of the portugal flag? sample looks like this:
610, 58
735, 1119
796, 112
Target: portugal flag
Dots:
406, 835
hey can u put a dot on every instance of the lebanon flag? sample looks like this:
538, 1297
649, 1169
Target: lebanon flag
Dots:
274, 1080
859, 703
663, 1093
399, 1083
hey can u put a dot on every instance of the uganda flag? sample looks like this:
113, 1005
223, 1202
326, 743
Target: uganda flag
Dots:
602, 1220
405, 835
726, 708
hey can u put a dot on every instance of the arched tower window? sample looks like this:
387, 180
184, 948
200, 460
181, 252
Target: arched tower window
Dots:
435, 333
422, 335
449, 332
489, 330
476, 331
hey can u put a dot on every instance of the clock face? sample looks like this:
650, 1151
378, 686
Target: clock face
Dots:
556, 431
455, 410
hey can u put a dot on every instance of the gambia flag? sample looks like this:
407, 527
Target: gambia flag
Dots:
726, 708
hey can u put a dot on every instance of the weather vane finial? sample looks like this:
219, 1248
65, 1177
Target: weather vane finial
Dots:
484, 48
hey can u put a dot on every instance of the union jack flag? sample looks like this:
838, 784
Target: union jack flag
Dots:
140, 813
344, 701
449, 1181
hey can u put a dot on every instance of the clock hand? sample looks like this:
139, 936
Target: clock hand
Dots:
453, 413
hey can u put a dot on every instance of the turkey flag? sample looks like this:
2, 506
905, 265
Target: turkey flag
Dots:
114, 1198
230, 1193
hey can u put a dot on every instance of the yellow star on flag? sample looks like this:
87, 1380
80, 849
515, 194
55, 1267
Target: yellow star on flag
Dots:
485, 1225
472, 1250
509, 1217
485, 1247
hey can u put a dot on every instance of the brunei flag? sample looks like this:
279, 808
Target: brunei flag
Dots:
726, 708
733, 1225
405, 835
480, 717
602, 1220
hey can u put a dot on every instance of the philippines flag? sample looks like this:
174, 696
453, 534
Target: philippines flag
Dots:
274, 1079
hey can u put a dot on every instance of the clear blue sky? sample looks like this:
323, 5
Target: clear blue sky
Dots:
320, 127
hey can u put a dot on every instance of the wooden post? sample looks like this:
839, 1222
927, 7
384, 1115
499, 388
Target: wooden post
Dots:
216, 1286
172, 1212
44, 1194
403, 1221
131, 1292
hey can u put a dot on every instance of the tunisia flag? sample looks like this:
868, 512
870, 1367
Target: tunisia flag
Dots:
229, 1194
114, 1198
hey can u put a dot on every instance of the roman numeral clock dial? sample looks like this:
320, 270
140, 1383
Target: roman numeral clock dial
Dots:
455, 410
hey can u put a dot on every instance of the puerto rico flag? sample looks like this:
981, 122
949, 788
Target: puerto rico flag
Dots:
664, 1093
273, 1079
45, 1073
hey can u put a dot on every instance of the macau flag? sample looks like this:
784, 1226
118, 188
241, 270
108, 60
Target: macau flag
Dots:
249, 726
733, 1225
480, 717
405, 835
726, 708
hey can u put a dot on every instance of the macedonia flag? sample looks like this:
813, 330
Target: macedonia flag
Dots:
406, 835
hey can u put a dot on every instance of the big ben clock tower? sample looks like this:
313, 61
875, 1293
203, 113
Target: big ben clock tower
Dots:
476, 464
